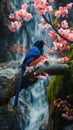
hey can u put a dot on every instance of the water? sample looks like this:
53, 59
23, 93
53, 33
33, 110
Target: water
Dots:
35, 109
35, 98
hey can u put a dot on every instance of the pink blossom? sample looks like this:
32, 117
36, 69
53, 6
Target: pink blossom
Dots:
51, 1
67, 47
24, 6
11, 16
64, 24
21, 13
54, 48
54, 103
70, 36
46, 26
28, 16
63, 60
52, 35
69, 6
57, 14
15, 25
51, 51
40, 77
63, 11
67, 116
49, 9
41, 5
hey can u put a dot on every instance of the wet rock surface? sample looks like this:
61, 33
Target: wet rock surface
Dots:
8, 77
8, 120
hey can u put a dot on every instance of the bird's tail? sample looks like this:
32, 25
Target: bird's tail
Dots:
18, 88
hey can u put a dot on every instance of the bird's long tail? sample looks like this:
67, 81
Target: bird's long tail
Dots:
18, 88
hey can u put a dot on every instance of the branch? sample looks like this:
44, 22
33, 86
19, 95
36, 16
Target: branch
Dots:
9, 75
49, 22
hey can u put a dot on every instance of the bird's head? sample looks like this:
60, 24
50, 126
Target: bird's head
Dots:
40, 44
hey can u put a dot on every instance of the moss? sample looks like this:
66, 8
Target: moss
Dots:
54, 88
70, 55
60, 87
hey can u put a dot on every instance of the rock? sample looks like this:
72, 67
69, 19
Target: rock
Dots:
8, 120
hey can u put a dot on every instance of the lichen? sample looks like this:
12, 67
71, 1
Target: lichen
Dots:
60, 87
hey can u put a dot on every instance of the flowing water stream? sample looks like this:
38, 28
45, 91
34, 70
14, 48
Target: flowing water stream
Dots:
37, 104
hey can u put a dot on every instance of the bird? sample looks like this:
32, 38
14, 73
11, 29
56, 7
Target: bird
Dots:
33, 54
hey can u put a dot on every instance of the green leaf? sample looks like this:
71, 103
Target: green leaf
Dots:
55, 22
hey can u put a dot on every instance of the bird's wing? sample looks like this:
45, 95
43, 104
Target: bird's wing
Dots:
31, 55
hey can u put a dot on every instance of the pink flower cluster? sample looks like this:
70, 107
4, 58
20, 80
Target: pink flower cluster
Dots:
66, 33
42, 6
63, 10
64, 24
19, 49
20, 14
65, 107
52, 35
46, 26
67, 115
63, 60
15, 25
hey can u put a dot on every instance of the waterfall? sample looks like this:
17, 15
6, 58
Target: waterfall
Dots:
30, 31
35, 97
36, 106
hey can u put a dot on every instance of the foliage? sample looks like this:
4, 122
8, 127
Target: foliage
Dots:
60, 87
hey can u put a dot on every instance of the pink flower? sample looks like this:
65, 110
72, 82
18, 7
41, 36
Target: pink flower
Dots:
46, 26
15, 25
40, 77
69, 6
67, 116
49, 9
54, 103
63, 60
63, 11
51, 51
64, 24
57, 14
11, 16
66, 59
52, 35
70, 36
28, 16
51, 1
24, 6
41, 5
54, 48
67, 47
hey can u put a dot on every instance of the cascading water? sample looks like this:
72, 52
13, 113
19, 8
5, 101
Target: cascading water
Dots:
35, 96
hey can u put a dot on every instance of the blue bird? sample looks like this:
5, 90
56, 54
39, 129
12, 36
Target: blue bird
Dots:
34, 53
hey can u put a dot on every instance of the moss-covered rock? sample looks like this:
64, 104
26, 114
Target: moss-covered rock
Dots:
60, 87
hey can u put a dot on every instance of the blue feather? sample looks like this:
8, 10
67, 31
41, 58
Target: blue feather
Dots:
33, 54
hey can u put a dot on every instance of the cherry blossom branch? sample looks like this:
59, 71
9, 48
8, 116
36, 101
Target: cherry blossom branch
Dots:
49, 22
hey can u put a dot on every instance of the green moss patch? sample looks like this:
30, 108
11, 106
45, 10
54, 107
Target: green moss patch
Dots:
60, 87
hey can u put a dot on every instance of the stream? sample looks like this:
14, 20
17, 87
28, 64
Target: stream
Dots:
35, 97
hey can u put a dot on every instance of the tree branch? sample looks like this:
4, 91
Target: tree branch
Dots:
49, 22
9, 75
